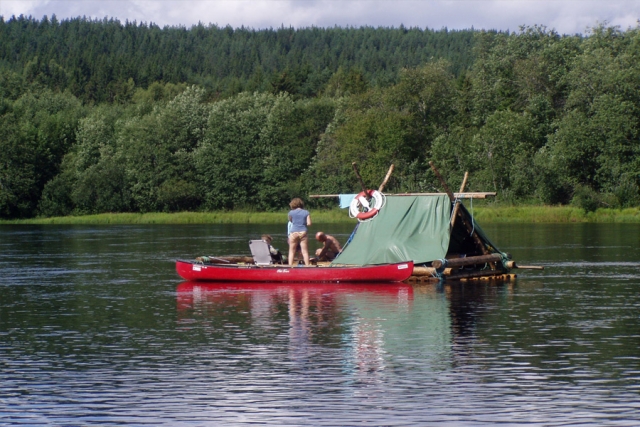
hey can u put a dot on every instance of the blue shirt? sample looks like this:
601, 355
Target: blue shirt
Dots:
298, 220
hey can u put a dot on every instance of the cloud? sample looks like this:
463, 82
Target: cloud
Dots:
565, 16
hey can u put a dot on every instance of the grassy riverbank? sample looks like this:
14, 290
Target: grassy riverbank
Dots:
318, 216
553, 214
484, 214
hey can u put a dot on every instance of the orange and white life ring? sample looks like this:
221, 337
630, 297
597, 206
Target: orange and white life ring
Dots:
360, 202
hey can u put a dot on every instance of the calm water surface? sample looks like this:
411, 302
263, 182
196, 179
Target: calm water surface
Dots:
97, 329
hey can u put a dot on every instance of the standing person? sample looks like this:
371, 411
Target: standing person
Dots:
298, 255
300, 220
330, 247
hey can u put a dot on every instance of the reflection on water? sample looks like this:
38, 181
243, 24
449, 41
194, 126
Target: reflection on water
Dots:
96, 329
329, 315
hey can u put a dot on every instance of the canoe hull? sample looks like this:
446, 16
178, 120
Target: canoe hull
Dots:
251, 273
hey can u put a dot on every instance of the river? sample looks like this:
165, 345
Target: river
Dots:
96, 328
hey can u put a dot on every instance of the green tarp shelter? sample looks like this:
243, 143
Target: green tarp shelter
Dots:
406, 228
412, 228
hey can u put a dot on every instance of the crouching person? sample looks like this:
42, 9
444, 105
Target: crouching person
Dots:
330, 247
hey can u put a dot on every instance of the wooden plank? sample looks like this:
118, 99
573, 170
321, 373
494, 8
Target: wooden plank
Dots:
470, 195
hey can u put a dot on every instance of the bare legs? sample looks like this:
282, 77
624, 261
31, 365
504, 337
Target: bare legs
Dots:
304, 246
296, 239
292, 252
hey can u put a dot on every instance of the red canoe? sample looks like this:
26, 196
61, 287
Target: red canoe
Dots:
189, 270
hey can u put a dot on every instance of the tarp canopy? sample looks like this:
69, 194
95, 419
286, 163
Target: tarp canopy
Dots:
406, 228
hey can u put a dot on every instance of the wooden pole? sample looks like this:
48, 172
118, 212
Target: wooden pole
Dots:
470, 260
470, 195
456, 208
512, 264
355, 168
474, 235
386, 178
469, 227
428, 271
442, 181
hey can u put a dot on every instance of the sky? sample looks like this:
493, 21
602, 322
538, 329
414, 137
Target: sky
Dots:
563, 16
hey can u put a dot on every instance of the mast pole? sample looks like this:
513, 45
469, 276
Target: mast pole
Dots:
355, 169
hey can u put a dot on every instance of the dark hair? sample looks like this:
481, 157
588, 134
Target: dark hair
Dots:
296, 203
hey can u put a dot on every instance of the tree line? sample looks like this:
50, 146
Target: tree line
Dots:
103, 60
537, 116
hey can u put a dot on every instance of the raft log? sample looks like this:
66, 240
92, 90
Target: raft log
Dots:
460, 262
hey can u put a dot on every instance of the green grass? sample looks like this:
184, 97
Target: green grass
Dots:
484, 214
318, 216
552, 214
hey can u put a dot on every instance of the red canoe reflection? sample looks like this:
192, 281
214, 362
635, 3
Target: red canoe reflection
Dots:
188, 292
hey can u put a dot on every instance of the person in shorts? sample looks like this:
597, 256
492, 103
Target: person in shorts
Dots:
298, 254
300, 220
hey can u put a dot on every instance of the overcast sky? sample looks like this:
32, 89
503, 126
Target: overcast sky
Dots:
565, 16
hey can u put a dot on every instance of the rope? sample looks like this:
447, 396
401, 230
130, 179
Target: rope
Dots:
453, 208
505, 259
367, 208
384, 202
437, 273
353, 233
473, 221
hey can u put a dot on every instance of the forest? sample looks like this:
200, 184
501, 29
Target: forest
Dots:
101, 116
